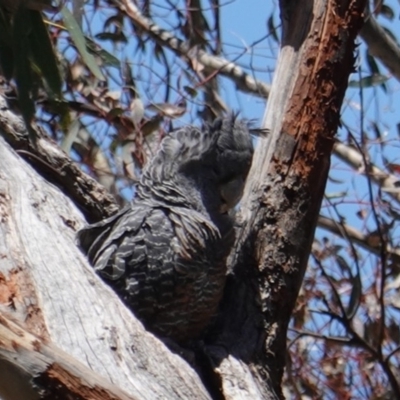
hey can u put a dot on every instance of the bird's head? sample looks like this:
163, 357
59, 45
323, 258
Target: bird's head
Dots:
212, 162
234, 152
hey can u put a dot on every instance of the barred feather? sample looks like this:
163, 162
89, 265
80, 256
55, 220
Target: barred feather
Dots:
165, 255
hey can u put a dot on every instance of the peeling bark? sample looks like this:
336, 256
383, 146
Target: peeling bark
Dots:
46, 282
33, 369
53, 164
282, 199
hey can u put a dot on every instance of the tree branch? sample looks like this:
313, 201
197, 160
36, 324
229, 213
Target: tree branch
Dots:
31, 366
351, 156
365, 241
55, 165
48, 282
285, 187
195, 57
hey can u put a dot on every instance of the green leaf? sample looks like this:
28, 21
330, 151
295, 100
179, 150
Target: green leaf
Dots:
115, 112
335, 195
129, 82
377, 131
71, 135
43, 54
372, 65
272, 29
5, 28
369, 81
343, 265
355, 296
158, 52
80, 43
387, 12
22, 27
113, 37
7, 61
106, 57
190, 91
335, 180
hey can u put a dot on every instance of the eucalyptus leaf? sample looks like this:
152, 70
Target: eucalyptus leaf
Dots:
22, 27
106, 57
43, 54
80, 42
369, 81
7, 61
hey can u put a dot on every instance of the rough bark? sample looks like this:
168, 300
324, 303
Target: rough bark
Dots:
53, 164
32, 369
46, 282
285, 188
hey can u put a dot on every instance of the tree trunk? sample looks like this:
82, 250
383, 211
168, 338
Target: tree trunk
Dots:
285, 188
58, 320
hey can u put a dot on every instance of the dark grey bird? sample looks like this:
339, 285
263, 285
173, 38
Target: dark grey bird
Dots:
165, 255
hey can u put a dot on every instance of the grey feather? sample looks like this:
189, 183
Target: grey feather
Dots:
165, 254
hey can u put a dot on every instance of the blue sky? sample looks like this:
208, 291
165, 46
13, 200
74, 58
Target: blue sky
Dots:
244, 22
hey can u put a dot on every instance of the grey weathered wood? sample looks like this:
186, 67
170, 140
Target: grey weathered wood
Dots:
53, 163
31, 369
51, 287
63, 301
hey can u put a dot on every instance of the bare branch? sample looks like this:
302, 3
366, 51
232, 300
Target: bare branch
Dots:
47, 280
354, 158
365, 241
244, 82
55, 165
